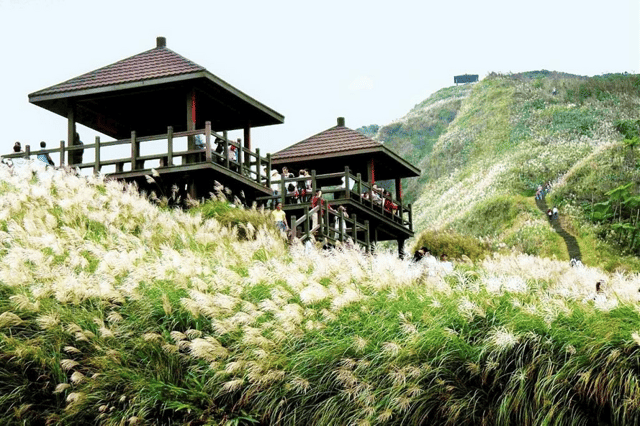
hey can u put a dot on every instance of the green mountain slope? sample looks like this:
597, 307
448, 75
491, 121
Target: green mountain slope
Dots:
511, 134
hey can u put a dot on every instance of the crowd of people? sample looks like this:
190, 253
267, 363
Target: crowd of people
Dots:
543, 190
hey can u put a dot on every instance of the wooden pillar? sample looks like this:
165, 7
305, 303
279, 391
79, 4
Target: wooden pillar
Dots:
207, 136
169, 146
247, 142
398, 189
191, 122
401, 252
96, 166
71, 131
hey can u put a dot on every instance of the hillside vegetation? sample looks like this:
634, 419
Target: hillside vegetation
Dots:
114, 311
511, 133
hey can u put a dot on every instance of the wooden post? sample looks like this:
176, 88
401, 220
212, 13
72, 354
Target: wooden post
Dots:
341, 227
207, 139
62, 149
313, 183
247, 142
134, 151
240, 156
71, 131
347, 191
96, 165
401, 248
27, 151
191, 122
258, 164
292, 229
359, 183
226, 151
269, 169
326, 219
170, 146
367, 238
307, 225
354, 230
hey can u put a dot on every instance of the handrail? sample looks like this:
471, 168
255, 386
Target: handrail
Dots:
257, 168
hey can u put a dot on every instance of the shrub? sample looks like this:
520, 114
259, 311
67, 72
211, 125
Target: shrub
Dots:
451, 243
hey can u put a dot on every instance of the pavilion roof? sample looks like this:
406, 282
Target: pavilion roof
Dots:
155, 63
340, 146
146, 93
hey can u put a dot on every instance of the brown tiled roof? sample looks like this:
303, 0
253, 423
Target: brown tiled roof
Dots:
155, 63
336, 140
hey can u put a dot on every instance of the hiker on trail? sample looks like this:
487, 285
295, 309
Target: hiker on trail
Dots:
280, 218
555, 212
17, 147
45, 158
550, 215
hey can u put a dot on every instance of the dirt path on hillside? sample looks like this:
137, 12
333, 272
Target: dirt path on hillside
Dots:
572, 244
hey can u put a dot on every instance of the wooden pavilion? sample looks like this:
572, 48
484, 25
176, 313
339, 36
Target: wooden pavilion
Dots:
347, 166
160, 99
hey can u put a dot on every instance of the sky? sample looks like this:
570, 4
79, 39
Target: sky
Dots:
368, 61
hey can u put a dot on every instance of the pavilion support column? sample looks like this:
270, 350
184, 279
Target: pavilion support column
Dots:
401, 252
71, 131
191, 122
247, 143
370, 177
398, 189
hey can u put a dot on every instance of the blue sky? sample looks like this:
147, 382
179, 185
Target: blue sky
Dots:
368, 61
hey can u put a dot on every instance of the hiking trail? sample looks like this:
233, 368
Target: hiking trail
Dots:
572, 244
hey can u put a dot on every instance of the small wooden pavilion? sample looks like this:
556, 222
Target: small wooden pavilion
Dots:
347, 166
155, 98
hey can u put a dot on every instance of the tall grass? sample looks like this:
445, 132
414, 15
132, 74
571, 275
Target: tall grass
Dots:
114, 311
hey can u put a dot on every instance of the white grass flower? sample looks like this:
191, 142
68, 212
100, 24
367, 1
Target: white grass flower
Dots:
359, 343
502, 339
61, 387
152, 337
391, 348
208, 349
48, 321
71, 350
9, 319
68, 364
77, 377
23, 303
299, 385
232, 385
636, 338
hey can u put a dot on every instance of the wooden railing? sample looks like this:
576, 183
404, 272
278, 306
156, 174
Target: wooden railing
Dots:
246, 163
352, 189
348, 229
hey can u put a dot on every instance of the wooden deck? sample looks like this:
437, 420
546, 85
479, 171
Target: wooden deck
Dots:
369, 221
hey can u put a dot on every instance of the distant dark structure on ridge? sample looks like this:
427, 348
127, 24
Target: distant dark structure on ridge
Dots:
467, 78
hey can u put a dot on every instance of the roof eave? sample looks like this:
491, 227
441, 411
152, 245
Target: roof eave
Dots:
256, 104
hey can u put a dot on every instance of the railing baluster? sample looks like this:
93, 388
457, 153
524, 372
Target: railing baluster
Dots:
207, 138
258, 171
62, 151
96, 165
134, 151
169, 146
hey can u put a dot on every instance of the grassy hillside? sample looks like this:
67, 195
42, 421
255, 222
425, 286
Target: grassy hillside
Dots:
513, 133
114, 311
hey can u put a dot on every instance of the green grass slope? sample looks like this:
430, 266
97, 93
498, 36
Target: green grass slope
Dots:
114, 311
511, 134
